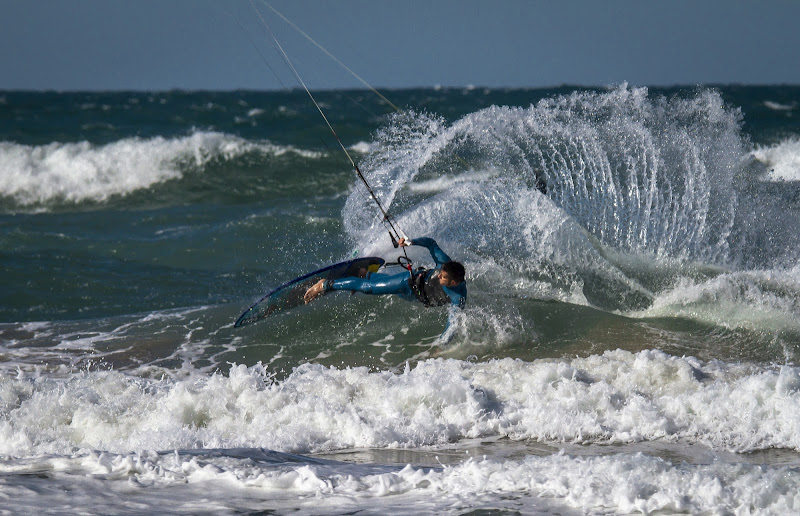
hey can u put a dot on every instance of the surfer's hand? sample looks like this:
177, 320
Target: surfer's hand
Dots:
315, 291
403, 242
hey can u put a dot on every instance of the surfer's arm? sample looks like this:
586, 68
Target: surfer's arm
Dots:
458, 300
439, 256
453, 312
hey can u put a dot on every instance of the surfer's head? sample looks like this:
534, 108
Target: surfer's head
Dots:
452, 274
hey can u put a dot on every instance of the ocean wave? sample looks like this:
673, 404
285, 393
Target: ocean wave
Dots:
767, 300
777, 106
616, 397
782, 160
38, 175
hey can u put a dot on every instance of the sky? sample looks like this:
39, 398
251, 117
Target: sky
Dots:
224, 45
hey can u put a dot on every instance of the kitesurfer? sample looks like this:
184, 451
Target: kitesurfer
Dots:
442, 285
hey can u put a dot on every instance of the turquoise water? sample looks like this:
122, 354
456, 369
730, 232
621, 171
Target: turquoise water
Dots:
640, 314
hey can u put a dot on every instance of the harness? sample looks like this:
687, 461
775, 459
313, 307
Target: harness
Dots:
424, 284
426, 288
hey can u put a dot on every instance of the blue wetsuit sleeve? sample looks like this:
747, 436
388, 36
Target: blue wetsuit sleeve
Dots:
439, 256
457, 294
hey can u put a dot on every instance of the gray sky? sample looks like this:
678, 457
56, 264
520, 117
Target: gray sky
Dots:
198, 44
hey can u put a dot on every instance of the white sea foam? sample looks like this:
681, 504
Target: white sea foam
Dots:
777, 106
75, 172
362, 147
83, 440
754, 300
615, 483
617, 397
782, 160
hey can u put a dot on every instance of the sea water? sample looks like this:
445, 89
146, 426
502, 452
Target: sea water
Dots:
630, 343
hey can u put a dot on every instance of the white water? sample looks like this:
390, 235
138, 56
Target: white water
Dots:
75, 172
617, 397
106, 436
754, 300
136, 483
782, 160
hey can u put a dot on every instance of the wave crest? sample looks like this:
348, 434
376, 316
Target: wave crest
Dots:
782, 160
68, 173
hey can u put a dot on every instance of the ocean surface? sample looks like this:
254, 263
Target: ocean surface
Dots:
631, 341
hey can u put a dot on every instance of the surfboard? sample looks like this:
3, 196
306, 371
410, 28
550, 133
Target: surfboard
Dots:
290, 295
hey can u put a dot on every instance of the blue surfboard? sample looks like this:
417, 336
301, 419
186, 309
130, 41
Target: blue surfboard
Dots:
290, 295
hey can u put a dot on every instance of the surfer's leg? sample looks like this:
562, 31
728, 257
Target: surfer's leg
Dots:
375, 284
